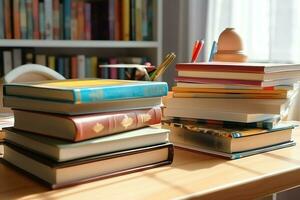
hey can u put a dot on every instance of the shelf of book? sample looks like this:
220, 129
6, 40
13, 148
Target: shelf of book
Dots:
78, 43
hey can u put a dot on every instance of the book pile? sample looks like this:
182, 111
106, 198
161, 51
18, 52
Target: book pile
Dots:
6, 120
77, 20
232, 109
73, 131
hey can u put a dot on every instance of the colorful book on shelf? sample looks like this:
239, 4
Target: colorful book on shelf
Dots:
61, 150
16, 19
55, 19
7, 12
48, 19
35, 15
67, 19
42, 25
29, 18
229, 146
62, 174
2, 24
258, 68
125, 19
83, 127
86, 90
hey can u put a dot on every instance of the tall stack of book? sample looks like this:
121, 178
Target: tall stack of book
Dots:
232, 109
73, 131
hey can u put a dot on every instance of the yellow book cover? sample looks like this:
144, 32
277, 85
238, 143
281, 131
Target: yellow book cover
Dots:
125, 19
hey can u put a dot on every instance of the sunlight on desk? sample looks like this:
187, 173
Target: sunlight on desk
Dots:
191, 175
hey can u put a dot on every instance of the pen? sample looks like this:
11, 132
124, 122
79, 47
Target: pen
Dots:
197, 49
163, 66
213, 51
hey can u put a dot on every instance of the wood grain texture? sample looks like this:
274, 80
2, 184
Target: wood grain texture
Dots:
192, 175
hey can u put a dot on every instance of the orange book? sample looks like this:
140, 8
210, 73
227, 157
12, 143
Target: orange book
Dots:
118, 24
125, 19
80, 20
55, 19
74, 67
7, 19
35, 13
17, 25
74, 32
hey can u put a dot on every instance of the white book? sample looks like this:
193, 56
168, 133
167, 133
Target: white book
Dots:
216, 115
17, 55
81, 66
48, 20
41, 59
7, 61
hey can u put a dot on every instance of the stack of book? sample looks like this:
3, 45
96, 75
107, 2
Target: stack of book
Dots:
227, 103
6, 120
73, 131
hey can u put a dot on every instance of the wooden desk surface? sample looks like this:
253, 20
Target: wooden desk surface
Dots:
191, 175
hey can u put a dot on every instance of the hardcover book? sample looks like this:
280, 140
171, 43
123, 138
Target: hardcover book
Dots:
75, 109
81, 91
61, 150
230, 146
88, 169
83, 127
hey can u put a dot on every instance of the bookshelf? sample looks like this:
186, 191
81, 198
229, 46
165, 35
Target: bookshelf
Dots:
152, 49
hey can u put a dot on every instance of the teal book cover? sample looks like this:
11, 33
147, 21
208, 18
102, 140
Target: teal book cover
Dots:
80, 91
67, 19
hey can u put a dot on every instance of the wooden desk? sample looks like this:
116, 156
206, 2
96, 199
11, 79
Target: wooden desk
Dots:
191, 175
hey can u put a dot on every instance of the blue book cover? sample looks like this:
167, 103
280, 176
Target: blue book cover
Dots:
1, 20
60, 66
87, 90
67, 19
121, 74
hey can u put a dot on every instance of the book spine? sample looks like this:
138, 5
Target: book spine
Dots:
60, 66
126, 19
51, 62
111, 19
94, 66
88, 68
41, 59
121, 73
7, 19
23, 19
17, 25
7, 61
74, 35
115, 93
36, 22
111, 123
55, 19
48, 20
80, 20
67, 68
138, 20
117, 28
81, 66
17, 57
150, 19
74, 67
61, 21
67, 19
113, 70
29, 19
2, 23
42, 20
87, 23
132, 20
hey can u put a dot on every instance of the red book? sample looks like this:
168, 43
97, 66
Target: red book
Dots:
83, 127
7, 19
35, 12
74, 67
87, 21
56, 19
17, 25
237, 67
80, 20
118, 27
